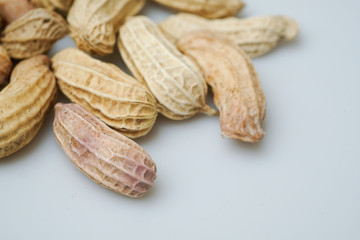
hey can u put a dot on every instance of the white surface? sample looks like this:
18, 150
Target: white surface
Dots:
300, 182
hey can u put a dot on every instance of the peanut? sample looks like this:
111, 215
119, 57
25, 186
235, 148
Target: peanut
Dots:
5, 65
103, 89
107, 157
94, 23
256, 36
174, 79
205, 8
234, 81
10, 10
61, 5
24, 103
33, 34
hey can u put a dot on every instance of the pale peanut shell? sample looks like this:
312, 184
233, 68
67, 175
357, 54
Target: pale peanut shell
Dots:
107, 92
205, 8
256, 36
24, 103
173, 78
33, 34
94, 23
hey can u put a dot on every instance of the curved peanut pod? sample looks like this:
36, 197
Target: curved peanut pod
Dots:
24, 103
107, 92
33, 34
234, 81
256, 36
107, 157
206, 8
62, 5
5, 65
94, 23
173, 78
10, 10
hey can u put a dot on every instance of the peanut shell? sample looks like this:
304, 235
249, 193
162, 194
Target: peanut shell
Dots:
94, 23
205, 8
33, 34
24, 103
10, 10
256, 36
173, 78
107, 157
234, 82
107, 92
5, 65
61, 5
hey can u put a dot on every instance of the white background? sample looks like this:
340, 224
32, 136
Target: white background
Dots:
301, 182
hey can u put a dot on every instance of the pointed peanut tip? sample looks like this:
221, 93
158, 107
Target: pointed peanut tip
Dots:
209, 111
292, 29
250, 137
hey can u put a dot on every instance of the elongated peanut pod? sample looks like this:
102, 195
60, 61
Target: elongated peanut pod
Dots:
234, 81
24, 103
107, 92
107, 157
256, 36
173, 78
205, 8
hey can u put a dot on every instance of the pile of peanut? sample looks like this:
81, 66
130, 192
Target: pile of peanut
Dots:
172, 64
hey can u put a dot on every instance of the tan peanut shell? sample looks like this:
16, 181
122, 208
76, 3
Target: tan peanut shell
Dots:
256, 36
234, 81
174, 79
107, 157
5, 65
94, 23
33, 34
107, 92
10, 10
24, 103
206, 8
62, 5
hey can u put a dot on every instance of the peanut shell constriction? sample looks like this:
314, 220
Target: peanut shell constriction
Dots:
234, 81
107, 92
34, 33
256, 36
206, 8
173, 78
94, 23
24, 103
106, 156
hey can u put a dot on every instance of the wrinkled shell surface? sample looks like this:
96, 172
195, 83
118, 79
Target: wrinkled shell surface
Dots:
205, 8
107, 92
94, 23
10, 10
234, 81
174, 79
5, 65
24, 103
256, 36
109, 158
62, 5
33, 34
